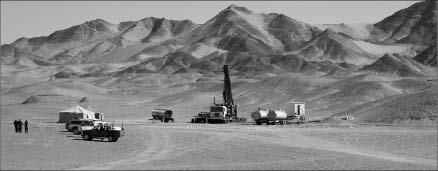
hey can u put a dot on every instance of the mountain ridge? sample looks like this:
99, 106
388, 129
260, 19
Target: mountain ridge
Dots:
236, 35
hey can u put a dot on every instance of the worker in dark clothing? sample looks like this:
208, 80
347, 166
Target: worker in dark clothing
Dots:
20, 125
16, 126
26, 130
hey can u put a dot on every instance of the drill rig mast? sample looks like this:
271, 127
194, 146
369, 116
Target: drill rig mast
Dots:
221, 113
228, 96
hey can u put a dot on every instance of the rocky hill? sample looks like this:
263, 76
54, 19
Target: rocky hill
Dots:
414, 106
415, 24
428, 56
255, 43
398, 65
331, 46
376, 72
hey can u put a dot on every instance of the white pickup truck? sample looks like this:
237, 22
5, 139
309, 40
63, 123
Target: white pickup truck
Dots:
75, 124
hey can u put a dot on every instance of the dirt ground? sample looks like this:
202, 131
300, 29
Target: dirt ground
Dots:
154, 145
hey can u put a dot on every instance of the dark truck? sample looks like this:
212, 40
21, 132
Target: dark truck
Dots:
164, 115
102, 131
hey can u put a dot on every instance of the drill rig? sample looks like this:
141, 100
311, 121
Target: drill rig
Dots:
222, 112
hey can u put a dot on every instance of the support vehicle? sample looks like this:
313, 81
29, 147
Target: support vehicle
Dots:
75, 124
271, 117
102, 131
96, 123
164, 115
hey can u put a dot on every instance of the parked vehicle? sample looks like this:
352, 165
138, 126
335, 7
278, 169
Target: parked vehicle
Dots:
164, 115
271, 117
102, 131
90, 126
75, 124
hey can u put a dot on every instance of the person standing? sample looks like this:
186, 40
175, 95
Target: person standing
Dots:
25, 127
16, 126
20, 125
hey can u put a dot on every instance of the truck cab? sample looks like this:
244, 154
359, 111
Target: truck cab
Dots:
219, 112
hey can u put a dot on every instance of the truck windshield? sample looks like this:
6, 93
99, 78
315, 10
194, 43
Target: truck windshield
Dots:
216, 109
157, 113
88, 123
75, 122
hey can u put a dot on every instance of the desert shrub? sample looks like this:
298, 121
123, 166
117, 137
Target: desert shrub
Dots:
64, 74
32, 99
83, 100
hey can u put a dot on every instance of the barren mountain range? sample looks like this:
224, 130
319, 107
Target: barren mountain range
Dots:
234, 32
339, 66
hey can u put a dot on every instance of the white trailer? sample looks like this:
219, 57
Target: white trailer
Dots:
297, 111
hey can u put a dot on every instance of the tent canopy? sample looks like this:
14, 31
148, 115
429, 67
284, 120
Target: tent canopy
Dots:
76, 111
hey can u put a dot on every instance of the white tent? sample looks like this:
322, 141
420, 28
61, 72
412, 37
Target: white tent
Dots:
76, 112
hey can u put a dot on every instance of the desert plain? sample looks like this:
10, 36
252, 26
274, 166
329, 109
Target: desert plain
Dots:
147, 144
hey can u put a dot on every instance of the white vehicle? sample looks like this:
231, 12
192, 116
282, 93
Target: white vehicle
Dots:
271, 117
75, 125
97, 123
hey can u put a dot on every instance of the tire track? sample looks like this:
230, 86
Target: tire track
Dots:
157, 145
321, 144
160, 145
216, 139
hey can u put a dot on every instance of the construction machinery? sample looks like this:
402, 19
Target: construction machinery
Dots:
221, 112
271, 117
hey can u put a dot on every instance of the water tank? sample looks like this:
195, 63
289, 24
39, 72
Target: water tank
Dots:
162, 112
259, 114
277, 115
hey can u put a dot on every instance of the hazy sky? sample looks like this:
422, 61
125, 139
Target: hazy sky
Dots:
41, 18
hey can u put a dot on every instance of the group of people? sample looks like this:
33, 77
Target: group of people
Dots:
19, 126
102, 127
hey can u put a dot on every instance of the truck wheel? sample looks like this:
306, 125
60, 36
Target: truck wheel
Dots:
76, 131
258, 122
166, 120
87, 137
112, 139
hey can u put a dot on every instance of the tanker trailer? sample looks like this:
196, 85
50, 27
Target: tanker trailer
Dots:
164, 115
277, 115
260, 116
